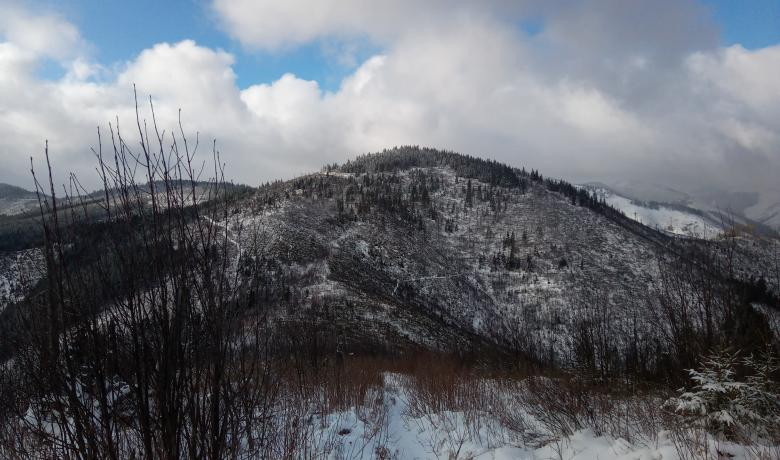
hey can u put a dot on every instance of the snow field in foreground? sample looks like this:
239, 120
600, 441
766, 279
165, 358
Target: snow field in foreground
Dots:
393, 426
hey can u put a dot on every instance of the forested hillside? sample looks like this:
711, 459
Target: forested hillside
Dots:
158, 297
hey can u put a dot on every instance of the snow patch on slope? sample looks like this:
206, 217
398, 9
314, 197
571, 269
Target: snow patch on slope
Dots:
14, 206
677, 221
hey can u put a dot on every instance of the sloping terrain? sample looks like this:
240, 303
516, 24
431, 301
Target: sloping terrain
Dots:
766, 211
671, 218
16, 200
416, 248
434, 253
758, 211
485, 291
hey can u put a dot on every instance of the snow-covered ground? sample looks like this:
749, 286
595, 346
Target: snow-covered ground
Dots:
359, 410
13, 206
393, 427
672, 220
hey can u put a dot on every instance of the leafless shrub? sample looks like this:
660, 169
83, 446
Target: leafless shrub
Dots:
138, 348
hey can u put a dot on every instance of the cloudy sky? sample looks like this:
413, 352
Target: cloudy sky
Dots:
679, 92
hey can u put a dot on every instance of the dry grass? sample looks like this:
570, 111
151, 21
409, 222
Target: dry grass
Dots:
307, 408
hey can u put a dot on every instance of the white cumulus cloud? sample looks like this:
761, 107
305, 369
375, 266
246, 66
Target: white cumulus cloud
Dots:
591, 96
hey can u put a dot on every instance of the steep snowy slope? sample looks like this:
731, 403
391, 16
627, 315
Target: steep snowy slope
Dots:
674, 219
757, 210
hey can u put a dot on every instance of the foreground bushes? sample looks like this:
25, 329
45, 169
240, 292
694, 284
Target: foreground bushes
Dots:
430, 406
742, 407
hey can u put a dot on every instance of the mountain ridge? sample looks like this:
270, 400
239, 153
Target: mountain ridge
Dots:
420, 248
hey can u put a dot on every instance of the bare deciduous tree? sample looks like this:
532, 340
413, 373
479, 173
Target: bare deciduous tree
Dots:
140, 344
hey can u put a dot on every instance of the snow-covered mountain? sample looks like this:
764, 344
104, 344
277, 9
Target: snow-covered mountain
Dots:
759, 211
421, 248
677, 213
676, 219
388, 307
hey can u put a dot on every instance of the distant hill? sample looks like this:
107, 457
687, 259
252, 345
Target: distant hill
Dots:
12, 191
15, 200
